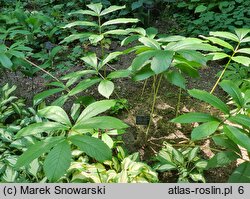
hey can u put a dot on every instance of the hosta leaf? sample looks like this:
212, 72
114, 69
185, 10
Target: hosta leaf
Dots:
60, 101
5, 61
222, 159
41, 96
194, 117
166, 167
41, 127
107, 140
106, 88
237, 136
242, 60
55, 113
241, 174
111, 9
95, 109
244, 50
93, 147
204, 130
81, 23
129, 40
36, 150
243, 120
100, 122
57, 161
233, 91
193, 153
226, 35
161, 61
171, 38
176, 78
84, 85
120, 21
150, 43
209, 98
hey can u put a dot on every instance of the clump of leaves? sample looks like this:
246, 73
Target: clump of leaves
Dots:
186, 161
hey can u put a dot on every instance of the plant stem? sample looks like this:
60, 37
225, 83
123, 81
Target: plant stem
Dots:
154, 101
222, 73
144, 86
178, 103
40, 68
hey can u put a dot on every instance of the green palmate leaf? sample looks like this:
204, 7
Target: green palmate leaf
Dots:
141, 59
144, 73
16, 53
41, 96
90, 59
129, 39
100, 122
119, 74
78, 74
93, 147
96, 7
36, 150
217, 56
5, 61
161, 61
120, 21
84, 12
106, 88
223, 141
220, 42
109, 57
193, 56
60, 101
95, 109
200, 8
81, 23
209, 98
204, 130
237, 136
222, 159
55, 113
74, 37
94, 39
242, 60
40, 127
176, 78
150, 43
111, 9
84, 85
244, 50
243, 120
226, 35
241, 174
58, 161
171, 39
241, 33
233, 91
245, 40
194, 117
116, 32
